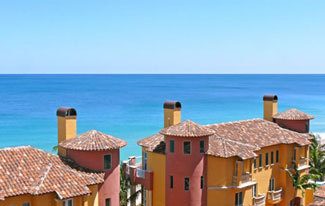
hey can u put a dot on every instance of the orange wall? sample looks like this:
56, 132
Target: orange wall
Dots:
157, 164
50, 199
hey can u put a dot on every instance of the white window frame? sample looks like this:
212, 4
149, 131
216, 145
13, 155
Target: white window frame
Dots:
240, 194
66, 202
254, 190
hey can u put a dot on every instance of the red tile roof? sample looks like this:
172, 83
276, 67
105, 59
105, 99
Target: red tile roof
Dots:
187, 129
154, 143
93, 141
26, 170
293, 114
241, 138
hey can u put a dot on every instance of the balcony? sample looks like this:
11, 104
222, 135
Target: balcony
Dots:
259, 200
275, 196
133, 169
302, 163
242, 179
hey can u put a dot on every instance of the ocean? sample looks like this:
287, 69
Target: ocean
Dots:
130, 106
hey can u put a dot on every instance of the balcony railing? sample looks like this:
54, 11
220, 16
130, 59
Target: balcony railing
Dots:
140, 173
241, 179
303, 161
259, 200
275, 195
133, 168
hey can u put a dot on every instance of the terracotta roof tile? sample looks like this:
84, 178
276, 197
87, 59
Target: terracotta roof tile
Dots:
259, 133
241, 138
154, 143
293, 114
26, 170
187, 129
222, 147
93, 141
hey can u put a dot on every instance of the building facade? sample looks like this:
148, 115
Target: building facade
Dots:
85, 173
235, 163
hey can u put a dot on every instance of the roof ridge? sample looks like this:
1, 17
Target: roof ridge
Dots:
42, 178
233, 122
16, 147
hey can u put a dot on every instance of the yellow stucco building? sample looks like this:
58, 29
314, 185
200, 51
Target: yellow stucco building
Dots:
242, 163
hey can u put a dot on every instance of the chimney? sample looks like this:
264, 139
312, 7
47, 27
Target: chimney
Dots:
270, 106
67, 126
172, 113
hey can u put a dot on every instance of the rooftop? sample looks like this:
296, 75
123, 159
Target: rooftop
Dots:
187, 129
93, 140
241, 138
293, 114
26, 170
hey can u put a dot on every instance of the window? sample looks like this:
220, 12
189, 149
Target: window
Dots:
171, 146
272, 158
260, 160
107, 162
277, 156
108, 202
186, 184
271, 184
254, 163
202, 146
266, 159
187, 147
239, 199
202, 182
294, 154
171, 181
26, 204
254, 190
68, 202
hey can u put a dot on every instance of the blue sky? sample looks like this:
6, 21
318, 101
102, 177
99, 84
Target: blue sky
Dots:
138, 36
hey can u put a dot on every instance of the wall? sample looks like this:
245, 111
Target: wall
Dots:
95, 160
180, 165
157, 164
50, 199
295, 125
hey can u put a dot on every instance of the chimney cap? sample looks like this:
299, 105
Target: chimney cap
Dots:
172, 105
66, 112
270, 97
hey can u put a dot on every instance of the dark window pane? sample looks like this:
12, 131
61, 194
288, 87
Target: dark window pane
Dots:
277, 156
187, 147
254, 163
267, 159
272, 157
108, 202
260, 160
202, 182
186, 183
107, 162
171, 182
171, 146
202, 146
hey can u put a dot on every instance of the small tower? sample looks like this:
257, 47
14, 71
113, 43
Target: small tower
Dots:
186, 146
67, 126
293, 119
270, 106
172, 113
92, 150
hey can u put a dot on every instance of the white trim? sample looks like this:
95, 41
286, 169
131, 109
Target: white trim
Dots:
246, 184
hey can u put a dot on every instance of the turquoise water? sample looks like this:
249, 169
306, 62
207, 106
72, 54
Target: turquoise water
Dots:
130, 106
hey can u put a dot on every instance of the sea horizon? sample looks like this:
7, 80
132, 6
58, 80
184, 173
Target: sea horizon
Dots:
129, 106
